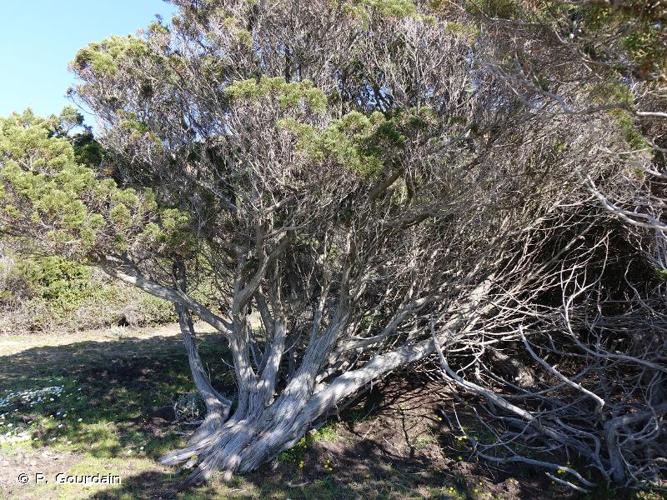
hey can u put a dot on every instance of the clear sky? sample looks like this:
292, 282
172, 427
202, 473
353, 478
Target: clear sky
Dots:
38, 38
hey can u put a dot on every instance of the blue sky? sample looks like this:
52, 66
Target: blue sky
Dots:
38, 38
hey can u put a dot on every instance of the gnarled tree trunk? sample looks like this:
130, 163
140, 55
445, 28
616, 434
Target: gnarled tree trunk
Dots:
266, 421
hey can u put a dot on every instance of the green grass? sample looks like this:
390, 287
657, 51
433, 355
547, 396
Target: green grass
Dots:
99, 420
104, 395
103, 405
296, 454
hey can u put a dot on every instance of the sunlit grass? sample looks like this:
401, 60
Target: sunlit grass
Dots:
90, 405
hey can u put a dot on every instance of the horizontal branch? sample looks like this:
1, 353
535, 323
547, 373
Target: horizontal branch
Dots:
170, 294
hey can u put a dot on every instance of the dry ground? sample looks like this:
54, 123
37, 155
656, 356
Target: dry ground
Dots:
111, 415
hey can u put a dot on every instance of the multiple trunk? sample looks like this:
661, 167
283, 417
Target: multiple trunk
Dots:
266, 420
260, 427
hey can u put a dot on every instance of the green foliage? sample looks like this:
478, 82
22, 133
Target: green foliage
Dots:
631, 31
67, 208
87, 151
233, 24
53, 294
642, 29
633, 136
386, 8
356, 141
41, 173
173, 231
54, 279
130, 122
61, 207
360, 143
504, 9
611, 93
467, 31
27, 133
154, 311
288, 95
345, 141
105, 57
647, 47
618, 94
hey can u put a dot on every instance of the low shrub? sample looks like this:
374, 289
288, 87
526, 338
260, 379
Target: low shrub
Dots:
53, 294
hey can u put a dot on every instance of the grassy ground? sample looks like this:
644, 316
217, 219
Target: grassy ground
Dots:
98, 403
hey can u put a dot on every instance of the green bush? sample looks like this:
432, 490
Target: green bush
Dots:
504, 9
56, 280
53, 294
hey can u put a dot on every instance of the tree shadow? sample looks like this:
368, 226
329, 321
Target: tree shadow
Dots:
376, 452
116, 395
104, 397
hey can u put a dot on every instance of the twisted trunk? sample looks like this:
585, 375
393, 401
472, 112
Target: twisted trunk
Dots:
265, 423
256, 433
217, 406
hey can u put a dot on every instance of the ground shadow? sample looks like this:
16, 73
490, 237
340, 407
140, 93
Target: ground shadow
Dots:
131, 383
393, 442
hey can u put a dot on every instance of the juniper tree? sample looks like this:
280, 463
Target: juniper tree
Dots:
363, 174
